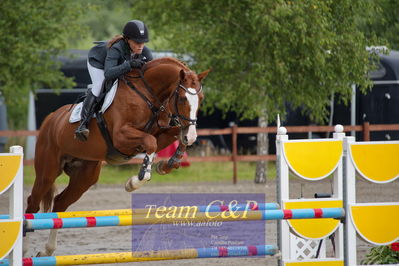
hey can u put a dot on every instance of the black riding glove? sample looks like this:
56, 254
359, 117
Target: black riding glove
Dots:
136, 63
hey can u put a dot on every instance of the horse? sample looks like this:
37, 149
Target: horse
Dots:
152, 108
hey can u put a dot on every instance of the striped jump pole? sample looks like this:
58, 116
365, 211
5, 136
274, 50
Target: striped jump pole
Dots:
123, 257
119, 212
154, 218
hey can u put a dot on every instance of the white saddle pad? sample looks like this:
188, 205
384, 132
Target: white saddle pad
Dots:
75, 115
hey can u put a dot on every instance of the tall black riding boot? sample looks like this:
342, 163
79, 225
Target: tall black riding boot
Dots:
82, 132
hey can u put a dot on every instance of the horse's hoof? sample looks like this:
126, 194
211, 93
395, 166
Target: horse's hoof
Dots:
41, 254
158, 168
134, 183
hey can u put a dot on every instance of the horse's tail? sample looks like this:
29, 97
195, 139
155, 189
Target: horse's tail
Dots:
48, 199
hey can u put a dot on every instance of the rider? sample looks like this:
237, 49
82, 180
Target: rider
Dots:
109, 60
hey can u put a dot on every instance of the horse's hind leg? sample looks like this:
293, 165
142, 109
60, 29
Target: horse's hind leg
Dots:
47, 168
83, 174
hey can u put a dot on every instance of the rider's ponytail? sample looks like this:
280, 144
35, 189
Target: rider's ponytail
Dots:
114, 40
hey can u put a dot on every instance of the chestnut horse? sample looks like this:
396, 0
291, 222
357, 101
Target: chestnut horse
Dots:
151, 109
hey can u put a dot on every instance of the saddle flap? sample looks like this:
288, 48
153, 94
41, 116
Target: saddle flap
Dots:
75, 114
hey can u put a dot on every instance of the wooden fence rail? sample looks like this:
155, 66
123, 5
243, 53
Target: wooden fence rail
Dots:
234, 131
366, 128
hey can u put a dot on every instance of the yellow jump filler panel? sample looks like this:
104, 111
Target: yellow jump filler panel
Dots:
376, 162
9, 166
377, 223
11, 228
313, 160
316, 263
314, 228
9, 232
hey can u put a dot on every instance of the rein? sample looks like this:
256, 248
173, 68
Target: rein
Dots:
155, 110
148, 88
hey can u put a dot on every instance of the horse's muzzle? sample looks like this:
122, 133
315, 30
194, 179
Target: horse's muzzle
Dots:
189, 136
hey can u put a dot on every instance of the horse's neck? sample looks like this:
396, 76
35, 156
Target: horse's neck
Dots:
163, 79
166, 61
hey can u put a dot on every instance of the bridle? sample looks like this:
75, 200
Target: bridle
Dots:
177, 117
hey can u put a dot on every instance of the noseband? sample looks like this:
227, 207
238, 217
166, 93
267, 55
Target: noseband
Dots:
177, 117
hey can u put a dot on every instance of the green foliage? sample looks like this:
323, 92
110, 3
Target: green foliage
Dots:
32, 33
381, 255
383, 22
265, 53
104, 20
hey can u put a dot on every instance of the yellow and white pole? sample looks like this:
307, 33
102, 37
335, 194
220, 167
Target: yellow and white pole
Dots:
11, 179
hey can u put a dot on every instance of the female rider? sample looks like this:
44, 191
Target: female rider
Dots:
109, 60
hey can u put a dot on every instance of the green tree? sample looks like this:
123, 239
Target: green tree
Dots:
104, 20
267, 53
32, 34
382, 20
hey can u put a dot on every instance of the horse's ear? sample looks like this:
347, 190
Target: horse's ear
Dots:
182, 74
203, 75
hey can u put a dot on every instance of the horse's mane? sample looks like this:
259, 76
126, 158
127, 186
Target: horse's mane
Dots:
166, 60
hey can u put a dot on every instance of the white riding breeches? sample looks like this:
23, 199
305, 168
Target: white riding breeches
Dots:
97, 78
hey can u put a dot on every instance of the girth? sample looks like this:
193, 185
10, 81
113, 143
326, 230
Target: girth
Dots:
114, 156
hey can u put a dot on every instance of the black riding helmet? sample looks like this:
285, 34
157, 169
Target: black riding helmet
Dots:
136, 30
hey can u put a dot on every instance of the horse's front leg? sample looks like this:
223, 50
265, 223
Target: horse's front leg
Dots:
143, 176
166, 138
174, 162
126, 140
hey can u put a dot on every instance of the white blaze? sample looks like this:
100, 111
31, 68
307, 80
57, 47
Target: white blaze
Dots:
193, 102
